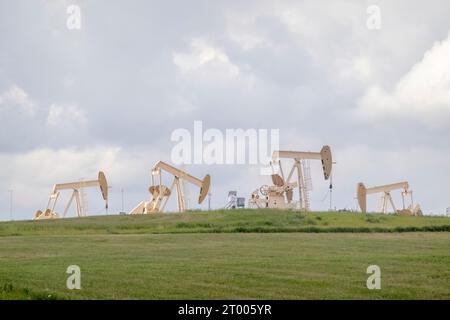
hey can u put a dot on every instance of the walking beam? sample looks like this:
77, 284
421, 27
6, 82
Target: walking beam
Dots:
76, 187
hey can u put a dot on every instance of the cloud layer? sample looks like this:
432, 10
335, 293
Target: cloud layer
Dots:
421, 95
108, 96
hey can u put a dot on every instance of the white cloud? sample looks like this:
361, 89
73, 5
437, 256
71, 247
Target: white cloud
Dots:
17, 97
65, 114
203, 57
248, 40
243, 29
422, 94
357, 68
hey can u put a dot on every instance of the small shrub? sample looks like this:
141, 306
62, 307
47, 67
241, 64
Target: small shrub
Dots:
7, 287
372, 219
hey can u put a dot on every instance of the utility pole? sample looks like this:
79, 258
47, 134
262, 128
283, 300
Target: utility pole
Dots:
331, 197
10, 204
109, 187
331, 187
209, 201
122, 200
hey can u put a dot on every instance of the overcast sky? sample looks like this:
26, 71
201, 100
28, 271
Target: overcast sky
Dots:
109, 95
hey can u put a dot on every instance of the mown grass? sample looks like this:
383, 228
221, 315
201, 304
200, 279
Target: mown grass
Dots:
241, 254
9, 292
222, 221
227, 266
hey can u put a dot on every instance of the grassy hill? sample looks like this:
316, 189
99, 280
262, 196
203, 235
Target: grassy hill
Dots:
225, 221
242, 254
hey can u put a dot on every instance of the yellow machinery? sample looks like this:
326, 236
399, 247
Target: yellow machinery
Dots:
281, 193
386, 198
160, 193
77, 187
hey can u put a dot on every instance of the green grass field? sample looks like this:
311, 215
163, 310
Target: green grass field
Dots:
242, 254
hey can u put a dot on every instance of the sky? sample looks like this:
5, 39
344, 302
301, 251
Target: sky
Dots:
108, 96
